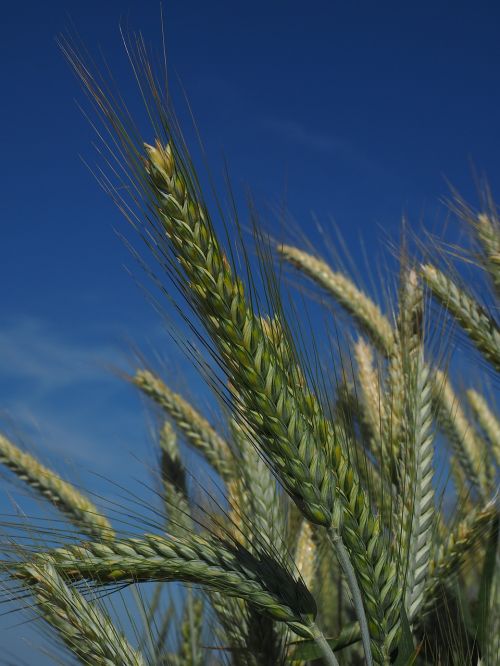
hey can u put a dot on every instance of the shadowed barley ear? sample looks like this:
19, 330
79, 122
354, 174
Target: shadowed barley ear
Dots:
84, 627
198, 432
482, 329
74, 504
259, 498
173, 476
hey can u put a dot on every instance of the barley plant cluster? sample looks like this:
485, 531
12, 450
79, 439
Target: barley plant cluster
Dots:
352, 516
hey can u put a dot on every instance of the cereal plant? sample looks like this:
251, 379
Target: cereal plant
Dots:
332, 539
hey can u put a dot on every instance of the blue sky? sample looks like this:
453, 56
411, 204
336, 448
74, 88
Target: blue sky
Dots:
353, 112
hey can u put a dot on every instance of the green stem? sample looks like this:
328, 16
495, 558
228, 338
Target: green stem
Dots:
348, 569
329, 657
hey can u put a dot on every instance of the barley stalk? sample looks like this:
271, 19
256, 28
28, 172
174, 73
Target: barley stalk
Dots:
481, 328
80, 510
85, 628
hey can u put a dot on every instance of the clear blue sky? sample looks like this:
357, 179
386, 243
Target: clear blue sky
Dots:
354, 111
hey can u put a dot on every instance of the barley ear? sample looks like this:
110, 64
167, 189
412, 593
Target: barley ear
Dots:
232, 570
198, 432
369, 382
292, 431
481, 328
364, 311
488, 232
487, 420
84, 627
450, 555
74, 504
418, 512
468, 448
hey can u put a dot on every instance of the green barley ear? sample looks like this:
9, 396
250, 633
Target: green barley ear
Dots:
449, 556
418, 514
481, 327
416, 446
238, 332
84, 628
370, 390
306, 553
364, 311
468, 447
191, 652
488, 233
259, 494
198, 432
489, 423
292, 432
74, 504
232, 570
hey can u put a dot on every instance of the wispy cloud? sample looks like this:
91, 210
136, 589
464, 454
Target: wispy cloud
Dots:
59, 395
324, 142
33, 351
